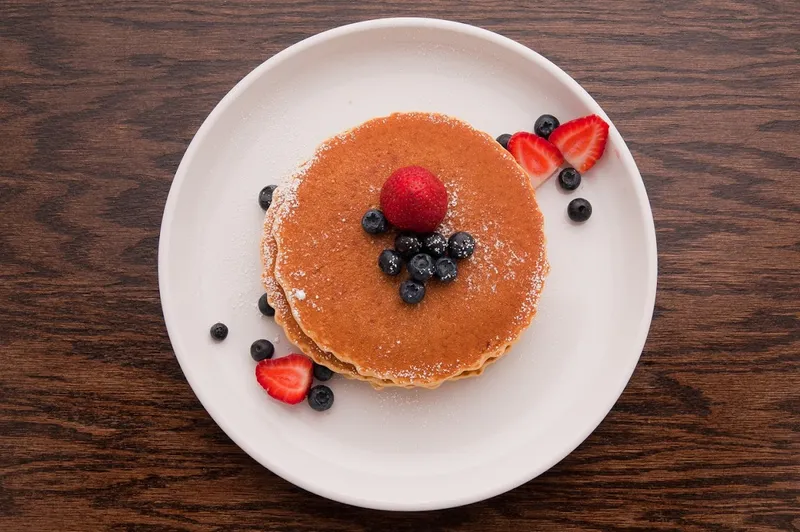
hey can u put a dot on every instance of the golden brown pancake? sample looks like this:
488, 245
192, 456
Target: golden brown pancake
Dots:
326, 265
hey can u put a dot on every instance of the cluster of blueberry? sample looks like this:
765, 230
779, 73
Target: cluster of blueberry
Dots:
426, 256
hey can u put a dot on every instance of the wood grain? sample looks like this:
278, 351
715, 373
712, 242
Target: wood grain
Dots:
98, 428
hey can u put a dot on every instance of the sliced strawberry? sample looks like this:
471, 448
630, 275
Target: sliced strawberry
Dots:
287, 378
582, 141
536, 155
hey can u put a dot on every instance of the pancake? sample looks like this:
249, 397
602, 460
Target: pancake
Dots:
326, 265
284, 318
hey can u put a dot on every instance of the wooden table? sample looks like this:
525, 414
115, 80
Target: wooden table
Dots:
100, 431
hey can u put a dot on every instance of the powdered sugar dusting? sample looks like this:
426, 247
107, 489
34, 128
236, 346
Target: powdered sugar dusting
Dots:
273, 288
416, 373
447, 226
289, 198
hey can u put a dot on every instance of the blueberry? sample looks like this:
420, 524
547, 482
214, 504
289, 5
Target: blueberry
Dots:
461, 245
390, 262
263, 306
579, 210
446, 269
262, 350
374, 222
219, 331
503, 140
407, 245
545, 125
569, 179
435, 245
265, 196
320, 397
322, 373
412, 291
421, 267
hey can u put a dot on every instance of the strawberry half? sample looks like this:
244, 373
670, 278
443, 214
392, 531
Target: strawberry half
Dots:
287, 378
536, 155
582, 141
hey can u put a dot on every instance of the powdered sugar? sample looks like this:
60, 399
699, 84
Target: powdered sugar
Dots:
447, 227
273, 289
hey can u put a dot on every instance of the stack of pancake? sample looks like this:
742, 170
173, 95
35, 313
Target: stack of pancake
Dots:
320, 268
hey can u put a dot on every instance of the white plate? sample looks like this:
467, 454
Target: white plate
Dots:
406, 449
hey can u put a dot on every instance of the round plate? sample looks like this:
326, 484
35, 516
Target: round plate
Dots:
406, 449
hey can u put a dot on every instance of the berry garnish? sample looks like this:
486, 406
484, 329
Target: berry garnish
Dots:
265, 196
262, 350
263, 306
287, 378
545, 125
374, 222
581, 141
421, 267
407, 245
536, 155
461, 245
322, 373
390, 262
412, 291
219, 331
579, 210
435, 245
413, 199
320, 397
569, 179
446, 269
503, 140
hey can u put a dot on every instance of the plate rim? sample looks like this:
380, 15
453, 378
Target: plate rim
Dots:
286, 54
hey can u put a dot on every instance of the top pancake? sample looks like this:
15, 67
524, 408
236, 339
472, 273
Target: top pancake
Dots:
327, 265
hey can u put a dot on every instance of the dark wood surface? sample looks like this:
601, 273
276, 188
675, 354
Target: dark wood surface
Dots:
100, 431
